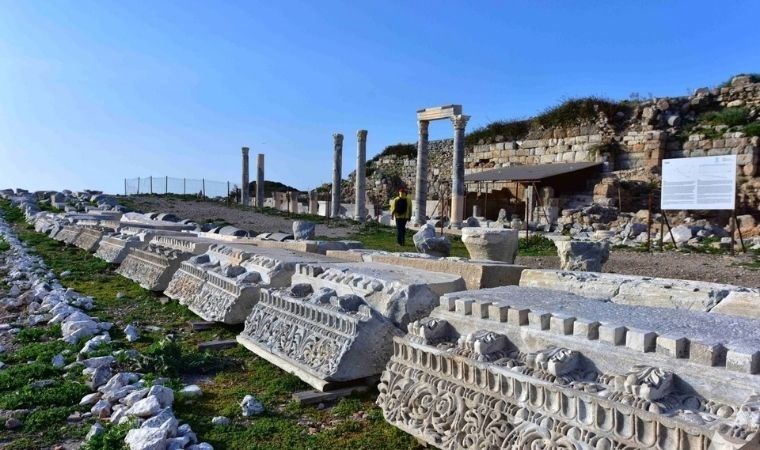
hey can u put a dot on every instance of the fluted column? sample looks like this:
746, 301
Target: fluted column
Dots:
337, 168
421, 185
360, 187
245, 180
260, 181
457, 171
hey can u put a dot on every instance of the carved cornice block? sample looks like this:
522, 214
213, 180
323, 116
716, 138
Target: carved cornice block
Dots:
320, 336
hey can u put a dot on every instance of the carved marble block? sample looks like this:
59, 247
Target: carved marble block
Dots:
223, 284
528, 368
647, 291
114, 248
402, 294
68, 234
322, 337
89, 237
380, 299
154, 266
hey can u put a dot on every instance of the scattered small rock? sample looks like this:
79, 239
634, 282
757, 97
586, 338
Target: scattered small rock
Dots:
251, 406
219, 421
191, 391
12, 423
95, 430
131, 332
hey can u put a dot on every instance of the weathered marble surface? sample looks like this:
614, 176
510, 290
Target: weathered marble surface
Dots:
154, 266
153, 221
68, 234
322, 337
348, 312
223, 284
402, 294
643, 291
588, 256
89, 237
114, 248
494, 244
531, 368
476, 274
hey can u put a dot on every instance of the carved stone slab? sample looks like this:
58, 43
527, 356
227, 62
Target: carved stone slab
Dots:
322, 337
223, 284
114, 248
402, 294
154, 266
636, 290
89, 237
518, 367
476, 274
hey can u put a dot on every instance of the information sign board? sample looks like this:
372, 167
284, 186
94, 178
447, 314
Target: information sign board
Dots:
704, 183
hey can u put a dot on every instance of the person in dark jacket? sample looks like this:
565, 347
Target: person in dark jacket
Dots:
401, 210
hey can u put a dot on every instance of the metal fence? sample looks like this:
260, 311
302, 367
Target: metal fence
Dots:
184, 186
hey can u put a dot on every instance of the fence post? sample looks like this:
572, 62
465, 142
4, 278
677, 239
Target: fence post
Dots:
184, 186
166, 186
151, 184
138, 185
203, 180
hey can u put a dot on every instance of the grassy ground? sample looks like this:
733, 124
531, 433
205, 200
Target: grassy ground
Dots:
225, 376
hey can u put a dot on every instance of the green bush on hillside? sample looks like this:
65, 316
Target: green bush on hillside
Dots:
510, 130
730, 116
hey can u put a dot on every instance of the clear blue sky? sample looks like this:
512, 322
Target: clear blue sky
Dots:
95, 91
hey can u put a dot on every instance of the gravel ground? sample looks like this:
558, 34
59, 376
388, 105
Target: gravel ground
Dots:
689, 266
246, 219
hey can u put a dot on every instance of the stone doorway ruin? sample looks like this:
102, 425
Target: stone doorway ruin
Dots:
459, 121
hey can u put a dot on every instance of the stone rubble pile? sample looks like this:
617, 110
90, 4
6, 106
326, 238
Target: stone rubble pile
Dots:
117, 397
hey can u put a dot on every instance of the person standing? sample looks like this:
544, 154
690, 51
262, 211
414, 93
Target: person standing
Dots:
401, 210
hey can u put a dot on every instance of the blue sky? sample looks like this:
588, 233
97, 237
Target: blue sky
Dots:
95, 91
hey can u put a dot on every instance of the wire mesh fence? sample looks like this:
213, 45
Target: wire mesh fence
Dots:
182, 186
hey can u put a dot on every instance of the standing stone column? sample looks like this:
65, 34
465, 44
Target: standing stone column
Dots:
360, 186
260, 181
294, 209
337, 168
313, 202
421, 186
457, 171
245, 181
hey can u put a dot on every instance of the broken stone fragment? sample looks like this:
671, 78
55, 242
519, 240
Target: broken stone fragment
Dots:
131, 333
251, 407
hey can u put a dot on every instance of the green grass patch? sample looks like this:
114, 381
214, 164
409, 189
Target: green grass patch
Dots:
4, 246
60, 394
752, 129
509, 130
731, 117
537, 245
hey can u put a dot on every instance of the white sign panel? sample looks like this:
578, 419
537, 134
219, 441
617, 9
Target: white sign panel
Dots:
699, 183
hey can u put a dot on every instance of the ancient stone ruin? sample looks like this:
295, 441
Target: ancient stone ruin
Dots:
469, 353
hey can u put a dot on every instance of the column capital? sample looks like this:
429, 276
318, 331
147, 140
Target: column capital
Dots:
245, 151
361, 135
459, 121
423, 126
337, 138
